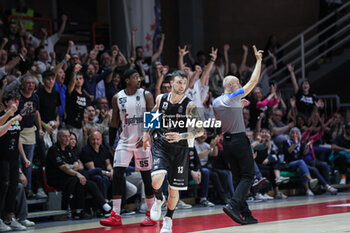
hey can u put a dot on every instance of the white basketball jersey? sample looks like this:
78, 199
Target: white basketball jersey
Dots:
131, 109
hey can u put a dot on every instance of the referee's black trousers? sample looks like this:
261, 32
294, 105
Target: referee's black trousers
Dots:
238, 152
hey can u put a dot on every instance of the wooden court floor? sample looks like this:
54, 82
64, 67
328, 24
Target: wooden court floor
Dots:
322, 213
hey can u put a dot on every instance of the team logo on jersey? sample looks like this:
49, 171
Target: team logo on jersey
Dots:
165, 105
151, 120
138, 98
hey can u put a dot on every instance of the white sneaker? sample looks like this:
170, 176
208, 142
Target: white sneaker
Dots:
280, 195
282, 180
156, 210
27, 223
259, 196
268, 197
16, 226
183, 205
309, 193
41, 193
342, 181
4, 227
313, 183
167, 225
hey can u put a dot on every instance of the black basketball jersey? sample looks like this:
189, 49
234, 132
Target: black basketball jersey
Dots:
173, 117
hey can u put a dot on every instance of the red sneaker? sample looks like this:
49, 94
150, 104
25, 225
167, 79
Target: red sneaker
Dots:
148, 221
113, 220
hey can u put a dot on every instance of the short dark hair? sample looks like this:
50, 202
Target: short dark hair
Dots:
10, 95
178, 73
48, 74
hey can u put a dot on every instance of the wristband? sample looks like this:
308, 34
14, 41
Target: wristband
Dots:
72, 166
212, 59
64, 62
45, 126
14, 122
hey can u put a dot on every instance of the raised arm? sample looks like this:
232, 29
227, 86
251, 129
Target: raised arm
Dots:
243, 65
4, 128
182, 53
292, 76
159, 50
14, 61
160, 78
226, 49
63, 25
71, 84
4, 42
133, 43
274, 61
254, 79
209, 66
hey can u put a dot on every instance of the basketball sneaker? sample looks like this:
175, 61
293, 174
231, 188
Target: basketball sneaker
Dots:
148, 221
113, 220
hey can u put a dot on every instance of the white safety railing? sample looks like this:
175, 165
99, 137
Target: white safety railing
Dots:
304, 50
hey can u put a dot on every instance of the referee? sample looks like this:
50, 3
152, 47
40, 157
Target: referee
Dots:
237, 149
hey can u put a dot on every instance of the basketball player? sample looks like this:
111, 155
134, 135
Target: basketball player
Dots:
228, 109
128, 107
170, 146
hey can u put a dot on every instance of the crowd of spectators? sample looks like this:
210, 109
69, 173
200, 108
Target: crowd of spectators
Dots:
55, 114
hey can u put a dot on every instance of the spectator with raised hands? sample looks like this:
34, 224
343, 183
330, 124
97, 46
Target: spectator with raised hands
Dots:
145, 62
48, 42
75, 104
61, 88
5, 66
198, 93
305, 99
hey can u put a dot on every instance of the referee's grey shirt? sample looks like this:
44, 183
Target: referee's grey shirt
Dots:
228, 109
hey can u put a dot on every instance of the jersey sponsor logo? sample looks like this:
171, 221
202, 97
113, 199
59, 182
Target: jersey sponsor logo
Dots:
151, 120
132, 120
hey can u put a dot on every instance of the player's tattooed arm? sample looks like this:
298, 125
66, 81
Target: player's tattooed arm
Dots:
193, 132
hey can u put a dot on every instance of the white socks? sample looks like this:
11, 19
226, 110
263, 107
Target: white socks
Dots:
116, 205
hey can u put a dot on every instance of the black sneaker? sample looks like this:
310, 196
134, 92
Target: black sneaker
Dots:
250, 220
81, 216
126, 211
234, 214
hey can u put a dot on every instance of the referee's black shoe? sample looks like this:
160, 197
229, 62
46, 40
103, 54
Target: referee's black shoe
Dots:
250, 220
234, 214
